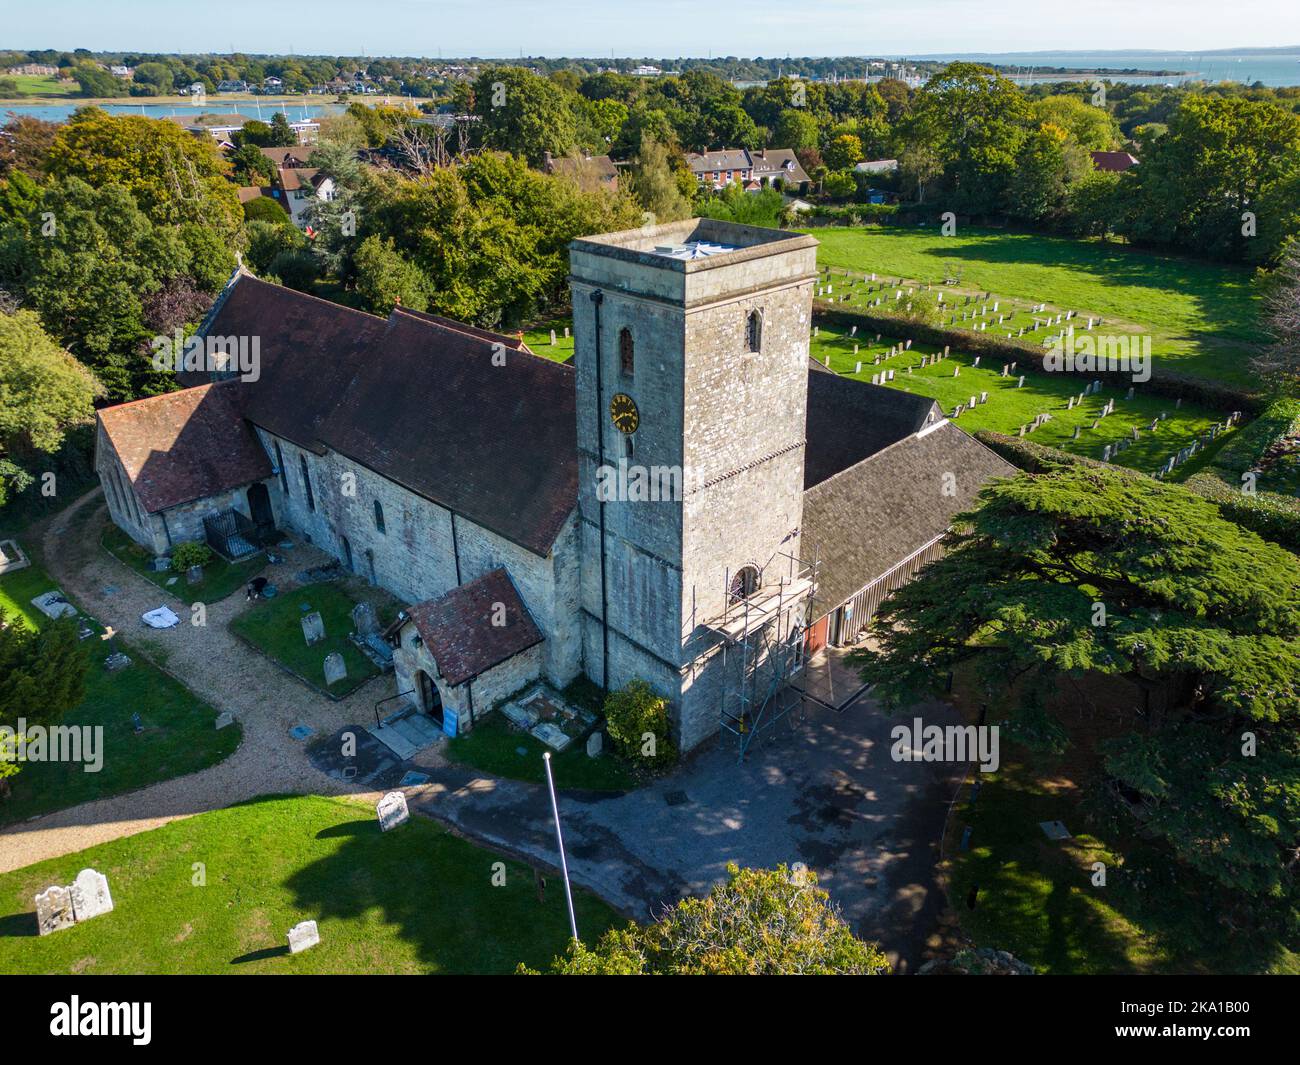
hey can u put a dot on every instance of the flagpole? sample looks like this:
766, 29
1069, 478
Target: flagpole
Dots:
559, 839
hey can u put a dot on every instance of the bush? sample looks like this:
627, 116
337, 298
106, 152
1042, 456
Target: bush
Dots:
190, 553
265, 209
637, 720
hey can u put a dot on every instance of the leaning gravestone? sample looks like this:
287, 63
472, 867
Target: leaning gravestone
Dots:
595, 743
313, 628
363, 619
335, 668
54, 910
90, 895
392, 811
303, 936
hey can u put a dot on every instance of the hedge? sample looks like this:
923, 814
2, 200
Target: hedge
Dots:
1163, 382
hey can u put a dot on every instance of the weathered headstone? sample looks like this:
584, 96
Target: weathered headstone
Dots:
363, 619
90, 895
54, 910
313, 628
392, 811
117, 661
595, 744
303, 936
194, 575
224, 718
335, 668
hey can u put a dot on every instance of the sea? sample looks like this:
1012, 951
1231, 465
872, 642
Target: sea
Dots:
1247, 66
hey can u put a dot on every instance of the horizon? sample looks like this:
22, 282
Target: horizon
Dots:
668, 28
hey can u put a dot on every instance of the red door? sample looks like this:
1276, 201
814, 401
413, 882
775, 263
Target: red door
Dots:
816, 637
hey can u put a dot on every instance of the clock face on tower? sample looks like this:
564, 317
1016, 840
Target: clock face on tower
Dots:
623, 413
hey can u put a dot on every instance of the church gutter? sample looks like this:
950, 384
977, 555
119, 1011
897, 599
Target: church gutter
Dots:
597, 298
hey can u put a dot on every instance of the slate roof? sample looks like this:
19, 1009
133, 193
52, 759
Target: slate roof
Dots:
185, 445
849, 420
418, 400
866, 519
458, 631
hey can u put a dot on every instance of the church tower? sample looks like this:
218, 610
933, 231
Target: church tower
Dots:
691, 353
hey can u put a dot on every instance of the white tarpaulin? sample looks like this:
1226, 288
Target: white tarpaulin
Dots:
162, 618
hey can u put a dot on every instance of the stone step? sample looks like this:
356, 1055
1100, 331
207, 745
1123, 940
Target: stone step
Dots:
410, 731
394, 741
425, 727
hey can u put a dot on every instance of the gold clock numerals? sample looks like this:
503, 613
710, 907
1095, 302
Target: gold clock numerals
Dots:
623, 413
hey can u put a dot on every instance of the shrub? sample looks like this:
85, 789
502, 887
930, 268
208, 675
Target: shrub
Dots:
265, 209
190, 553
637, 720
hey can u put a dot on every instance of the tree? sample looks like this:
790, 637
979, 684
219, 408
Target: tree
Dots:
761, 922
265, 209
654, 183
523, 113
42, 672
251, 166
843, 152
1093, 127
43, 392
1280, 363
283, 135
24, 144
385, 278
795, 129
1087, 570
1050, 162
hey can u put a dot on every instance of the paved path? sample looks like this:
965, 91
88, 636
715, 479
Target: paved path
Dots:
824, 793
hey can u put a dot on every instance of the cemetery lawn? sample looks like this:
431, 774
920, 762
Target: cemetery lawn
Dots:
413, 900
1009, 407
494, 747
220, 578
178, 736
1201, 316
274, 627
538, 339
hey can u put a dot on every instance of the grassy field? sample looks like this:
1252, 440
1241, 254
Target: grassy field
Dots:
1201, 316
220, 578
274, 627
1010, 407
538, 339
178, 735
496, 748
413, 900
43, 85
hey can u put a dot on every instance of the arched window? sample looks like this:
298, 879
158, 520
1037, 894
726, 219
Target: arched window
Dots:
284, 474
754, 331
744, 583
379, 517
626, 356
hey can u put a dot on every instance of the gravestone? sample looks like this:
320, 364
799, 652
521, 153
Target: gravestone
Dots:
392, 811
54, 910
194, 575
1020, 383
313, 628
224, 718
90, 895
595, 744
117, 661
552, 338
335, 668
363, 619
303, 936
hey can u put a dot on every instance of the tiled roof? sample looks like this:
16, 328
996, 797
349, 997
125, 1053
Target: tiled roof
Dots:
1114, 162
185, 445
418, 401
849, 420
726, 159
458, 628
296, 177
290, 157
866, 519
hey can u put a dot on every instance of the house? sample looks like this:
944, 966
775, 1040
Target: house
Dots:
43, 70
286, 158
272, 84
120, 71
877, 166
297, 187
222, 128
1113, 162
738, 165
487, 487
195, 88
588, 171
232, 85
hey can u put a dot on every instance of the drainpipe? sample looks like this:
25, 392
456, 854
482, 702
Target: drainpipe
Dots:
598, 298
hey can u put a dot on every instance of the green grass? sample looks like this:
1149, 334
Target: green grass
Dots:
43, 85
220, 578
1201, 316
538, 339
493, 746
274, 626
178, 736
1009, 407
413, 900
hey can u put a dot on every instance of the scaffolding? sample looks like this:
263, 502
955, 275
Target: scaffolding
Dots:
763, 649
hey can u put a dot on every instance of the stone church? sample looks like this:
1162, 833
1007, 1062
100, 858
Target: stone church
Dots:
472, 478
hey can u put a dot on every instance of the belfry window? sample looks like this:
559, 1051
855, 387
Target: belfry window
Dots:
754, 331
626, 355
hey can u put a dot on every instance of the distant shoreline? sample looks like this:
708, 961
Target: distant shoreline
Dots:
211, 104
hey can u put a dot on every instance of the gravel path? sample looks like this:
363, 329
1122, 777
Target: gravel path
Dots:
266, 701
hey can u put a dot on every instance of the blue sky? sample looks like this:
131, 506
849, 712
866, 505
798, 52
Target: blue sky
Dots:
645, 27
